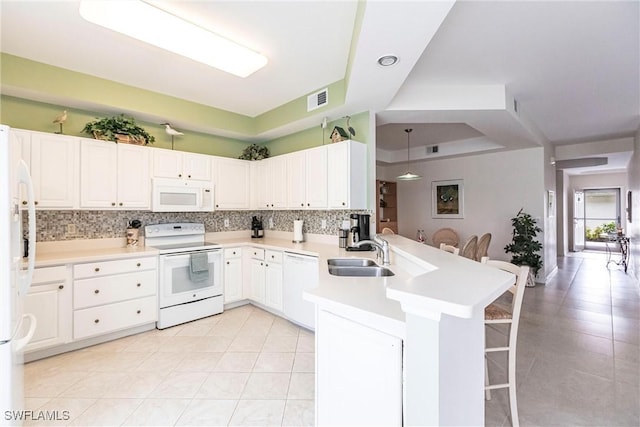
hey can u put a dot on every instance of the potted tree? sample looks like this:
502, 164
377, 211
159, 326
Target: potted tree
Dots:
524, 247
119, 128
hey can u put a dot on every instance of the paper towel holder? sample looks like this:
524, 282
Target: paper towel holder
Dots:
298, 236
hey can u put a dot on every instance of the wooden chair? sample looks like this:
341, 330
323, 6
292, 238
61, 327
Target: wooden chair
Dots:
445, 235
469, 248
387, 230
483, 246
496, 314
449, 248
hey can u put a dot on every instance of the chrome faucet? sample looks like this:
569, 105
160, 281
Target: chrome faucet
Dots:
381, 245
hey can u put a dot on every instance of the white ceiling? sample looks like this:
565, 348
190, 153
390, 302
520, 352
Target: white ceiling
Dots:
572, 67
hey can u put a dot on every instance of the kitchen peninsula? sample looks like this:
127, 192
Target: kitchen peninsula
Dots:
406, 348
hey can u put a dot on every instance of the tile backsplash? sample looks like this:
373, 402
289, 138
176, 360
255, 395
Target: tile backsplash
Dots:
84, 224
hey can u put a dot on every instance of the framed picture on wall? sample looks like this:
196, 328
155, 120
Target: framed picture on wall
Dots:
551, 203
447, 199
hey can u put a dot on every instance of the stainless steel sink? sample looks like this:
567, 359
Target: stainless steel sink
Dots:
351, 262
360, 271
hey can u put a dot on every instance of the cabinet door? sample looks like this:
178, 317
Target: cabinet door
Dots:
316, 177
196, 166
167, 163
232, 183
338, 175
232, 280
260, 197
50, 302
257, 280
277, 181
54, 166
19, 149
359, 374
98, 174
133, 177
273, 286
296, 180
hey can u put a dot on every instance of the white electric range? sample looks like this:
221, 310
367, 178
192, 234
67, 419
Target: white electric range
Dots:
183, 295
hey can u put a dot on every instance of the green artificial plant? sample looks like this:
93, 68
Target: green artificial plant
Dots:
113, 128
254, 152
524, 247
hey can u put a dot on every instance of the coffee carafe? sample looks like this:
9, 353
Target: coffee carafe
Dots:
358, 231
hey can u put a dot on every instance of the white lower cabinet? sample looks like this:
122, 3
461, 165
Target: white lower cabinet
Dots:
266, 277
373, 359
49, 300
273, 280
113, 295
232, 275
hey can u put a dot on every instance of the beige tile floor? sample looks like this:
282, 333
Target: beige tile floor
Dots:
242, 367
578, 364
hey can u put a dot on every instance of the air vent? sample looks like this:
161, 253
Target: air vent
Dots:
432, 149
318, 99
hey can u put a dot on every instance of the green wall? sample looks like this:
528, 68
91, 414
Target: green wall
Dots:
31, 115
103, 98
314, 137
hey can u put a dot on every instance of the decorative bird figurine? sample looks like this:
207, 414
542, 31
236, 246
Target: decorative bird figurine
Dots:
171, 131
351, 130
61, 119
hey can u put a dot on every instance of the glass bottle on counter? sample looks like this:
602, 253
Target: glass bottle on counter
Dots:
420, 237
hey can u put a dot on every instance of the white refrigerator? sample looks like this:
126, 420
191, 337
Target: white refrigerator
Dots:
16, 327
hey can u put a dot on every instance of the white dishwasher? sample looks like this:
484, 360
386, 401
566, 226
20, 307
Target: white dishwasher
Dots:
300, 273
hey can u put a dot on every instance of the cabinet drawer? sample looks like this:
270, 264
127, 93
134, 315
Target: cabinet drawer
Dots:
232, 253
109, 289
49, 274
273, 256
113, 317
102, 268
257, 253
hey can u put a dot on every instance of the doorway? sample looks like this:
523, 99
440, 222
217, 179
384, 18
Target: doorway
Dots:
601, 216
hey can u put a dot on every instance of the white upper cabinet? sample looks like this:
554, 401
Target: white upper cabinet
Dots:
269, 183
134, 183
232, 183
114, 175
307, 179
347, 175
54, 170
178, 164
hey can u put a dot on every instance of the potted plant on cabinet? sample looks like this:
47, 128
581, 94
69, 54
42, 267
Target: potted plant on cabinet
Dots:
119, 128
254, 152
524, 247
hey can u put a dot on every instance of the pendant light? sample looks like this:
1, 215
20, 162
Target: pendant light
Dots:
408, 176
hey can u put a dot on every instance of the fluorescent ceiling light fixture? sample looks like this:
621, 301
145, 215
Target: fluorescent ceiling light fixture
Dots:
151, 25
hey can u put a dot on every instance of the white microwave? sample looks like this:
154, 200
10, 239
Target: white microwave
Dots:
179, 195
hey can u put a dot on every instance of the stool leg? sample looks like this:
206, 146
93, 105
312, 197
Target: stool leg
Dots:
513, 402
487, 392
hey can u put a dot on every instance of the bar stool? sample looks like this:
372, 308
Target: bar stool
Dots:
495, 314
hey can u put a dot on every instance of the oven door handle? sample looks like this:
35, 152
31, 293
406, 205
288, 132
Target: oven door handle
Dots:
186, 254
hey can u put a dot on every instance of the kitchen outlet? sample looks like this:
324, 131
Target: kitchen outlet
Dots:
323, 224
226, 222
71, 229
271, 223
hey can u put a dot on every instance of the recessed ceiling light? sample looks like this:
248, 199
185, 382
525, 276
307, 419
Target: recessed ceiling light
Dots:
387, 60
149, 24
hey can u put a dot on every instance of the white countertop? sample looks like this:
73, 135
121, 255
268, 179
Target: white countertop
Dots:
442, 283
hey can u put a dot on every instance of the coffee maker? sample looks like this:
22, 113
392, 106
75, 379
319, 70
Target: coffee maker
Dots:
358, 231
256, 228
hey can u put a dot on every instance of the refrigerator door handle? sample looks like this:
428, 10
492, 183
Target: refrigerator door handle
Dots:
25, 277
20, 343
